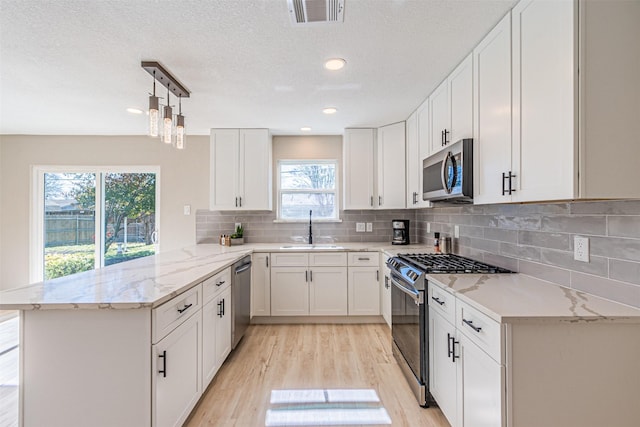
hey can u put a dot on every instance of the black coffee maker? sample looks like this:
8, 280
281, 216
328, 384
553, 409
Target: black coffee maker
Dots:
400, 231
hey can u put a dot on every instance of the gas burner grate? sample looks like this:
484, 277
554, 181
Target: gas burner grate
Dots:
450, 263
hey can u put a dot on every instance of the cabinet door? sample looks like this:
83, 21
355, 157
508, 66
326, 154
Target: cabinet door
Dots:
209, 361
443, 376
482, 387
328, 291
424, 146
224, 163
461, 100
492, 130
223, 326
177, 389
364, 291
289, 291
391, 167
260, 285
543, 100
254, 181
414, 163
439, 108
358, 149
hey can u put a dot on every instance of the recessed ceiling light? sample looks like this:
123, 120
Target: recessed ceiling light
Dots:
334, 64
305, 129
135, 110
330, 110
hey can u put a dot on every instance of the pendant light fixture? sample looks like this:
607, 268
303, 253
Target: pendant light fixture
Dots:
167, 122
165, 78
153, 110
180, 132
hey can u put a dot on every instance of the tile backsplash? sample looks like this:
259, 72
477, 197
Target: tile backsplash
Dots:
537, 239
534, 239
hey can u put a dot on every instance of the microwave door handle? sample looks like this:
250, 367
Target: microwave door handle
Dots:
443, 171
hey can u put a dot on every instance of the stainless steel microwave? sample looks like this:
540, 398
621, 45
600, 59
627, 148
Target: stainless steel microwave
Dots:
448, 174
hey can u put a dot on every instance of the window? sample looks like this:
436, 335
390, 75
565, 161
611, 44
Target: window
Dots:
86, 218
307, 185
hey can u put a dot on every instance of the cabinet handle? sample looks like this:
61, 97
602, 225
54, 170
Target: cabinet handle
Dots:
379, 200
511, 176
442, 138
453, 349
371, 200
377, 275
438, 300
267, 260
363, 259
446, 140
236, 202
471, 325
240, 201
220, 309
504, 177
415, 197
306, 276
311, 275
163, 371
449, 351
185, 308
220, 283
386, 282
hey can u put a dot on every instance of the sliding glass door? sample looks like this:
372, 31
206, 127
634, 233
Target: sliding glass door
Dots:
88, 219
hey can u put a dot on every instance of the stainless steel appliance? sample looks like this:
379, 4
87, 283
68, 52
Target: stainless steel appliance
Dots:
410, 311
400, 231
240, 298
448, 174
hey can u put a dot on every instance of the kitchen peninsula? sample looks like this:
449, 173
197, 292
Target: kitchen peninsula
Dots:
92, 344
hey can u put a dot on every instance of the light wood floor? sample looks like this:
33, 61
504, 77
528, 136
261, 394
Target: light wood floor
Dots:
276, 357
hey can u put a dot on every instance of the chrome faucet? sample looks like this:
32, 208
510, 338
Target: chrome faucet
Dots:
310, 230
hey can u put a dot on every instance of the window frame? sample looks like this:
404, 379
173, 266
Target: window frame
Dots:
37, 205
280, 191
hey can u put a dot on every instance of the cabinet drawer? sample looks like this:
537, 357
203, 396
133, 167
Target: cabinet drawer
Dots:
442, 301
215, 284
364, 259
480, 329
330, 259
289, 259
175, 311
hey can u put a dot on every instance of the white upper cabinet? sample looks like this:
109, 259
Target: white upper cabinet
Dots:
556, 133
492, 130
240, 169
371, 184
391, 167
417, 149
358, 149
451, 106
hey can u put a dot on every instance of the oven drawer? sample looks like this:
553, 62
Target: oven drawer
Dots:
480, 329
364, 259
442, 301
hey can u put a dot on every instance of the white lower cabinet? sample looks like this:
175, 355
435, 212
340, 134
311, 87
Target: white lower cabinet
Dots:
177, 382
385, 290
443, 382
260, 285
364, 284
309, 284
216, 334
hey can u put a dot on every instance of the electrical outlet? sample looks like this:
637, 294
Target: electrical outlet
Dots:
359, 227
187, 209
238, 224
428, 227
581, 248
369, 227
456, 231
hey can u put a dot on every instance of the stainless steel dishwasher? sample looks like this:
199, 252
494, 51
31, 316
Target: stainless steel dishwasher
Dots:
241, 298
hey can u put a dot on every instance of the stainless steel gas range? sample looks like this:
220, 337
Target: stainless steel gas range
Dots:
409, 310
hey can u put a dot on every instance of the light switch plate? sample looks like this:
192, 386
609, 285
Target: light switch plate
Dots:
187, 209
581, 248
359, 227
456, 231
369, 227
428, 227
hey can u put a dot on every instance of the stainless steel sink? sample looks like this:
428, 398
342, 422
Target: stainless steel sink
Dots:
311, 247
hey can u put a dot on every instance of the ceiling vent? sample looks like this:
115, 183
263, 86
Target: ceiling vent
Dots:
316, 11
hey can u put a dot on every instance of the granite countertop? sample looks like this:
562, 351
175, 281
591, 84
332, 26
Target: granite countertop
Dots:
512, 298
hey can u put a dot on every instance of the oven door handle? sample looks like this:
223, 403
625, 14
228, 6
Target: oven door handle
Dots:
417, 296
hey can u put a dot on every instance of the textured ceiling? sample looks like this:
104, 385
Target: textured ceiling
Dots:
73, 67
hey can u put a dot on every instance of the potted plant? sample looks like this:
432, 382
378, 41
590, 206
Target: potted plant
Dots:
237, 237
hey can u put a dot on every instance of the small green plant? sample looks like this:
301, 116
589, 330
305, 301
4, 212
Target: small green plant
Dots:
238, 234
